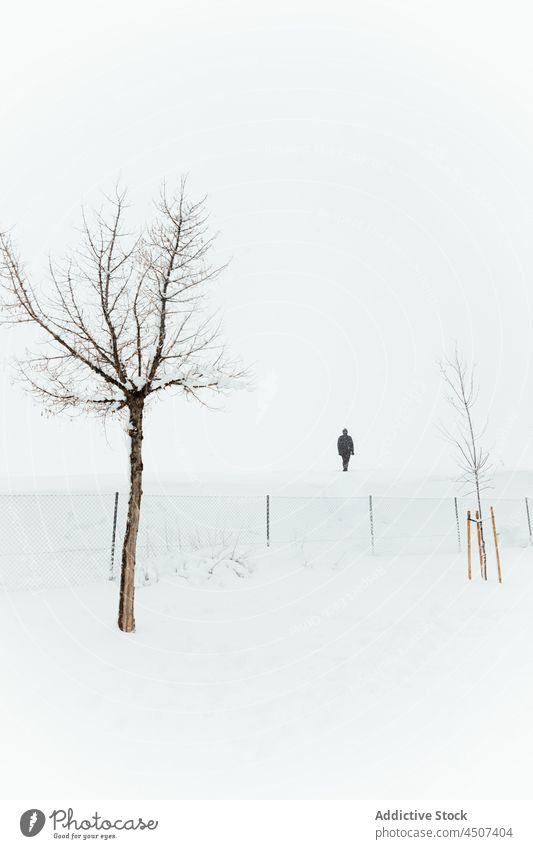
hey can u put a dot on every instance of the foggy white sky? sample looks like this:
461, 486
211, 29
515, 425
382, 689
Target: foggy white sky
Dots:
369, 166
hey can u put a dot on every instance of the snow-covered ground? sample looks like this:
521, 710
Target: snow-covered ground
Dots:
360, 481
60, 532
299, 672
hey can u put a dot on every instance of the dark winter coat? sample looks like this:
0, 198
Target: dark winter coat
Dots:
345, 444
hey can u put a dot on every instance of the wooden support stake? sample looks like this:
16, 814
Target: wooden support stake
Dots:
478, 526
469, 537
496, 544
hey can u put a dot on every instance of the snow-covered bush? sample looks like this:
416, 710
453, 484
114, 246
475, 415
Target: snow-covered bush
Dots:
220, 562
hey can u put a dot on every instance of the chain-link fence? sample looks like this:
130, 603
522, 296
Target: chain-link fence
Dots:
55, 539
62, 539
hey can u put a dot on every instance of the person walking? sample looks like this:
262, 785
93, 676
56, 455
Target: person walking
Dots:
345, 448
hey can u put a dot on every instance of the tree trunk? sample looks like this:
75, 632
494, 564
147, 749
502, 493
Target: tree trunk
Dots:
126, 618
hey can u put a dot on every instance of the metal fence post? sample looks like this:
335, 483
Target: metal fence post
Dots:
371, 522
528, 521
112, 566
268, 520
457, 522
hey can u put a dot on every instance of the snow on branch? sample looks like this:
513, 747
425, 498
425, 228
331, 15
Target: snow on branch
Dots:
122, 316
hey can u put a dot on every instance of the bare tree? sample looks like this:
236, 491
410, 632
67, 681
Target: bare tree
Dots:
123, 321
474, 460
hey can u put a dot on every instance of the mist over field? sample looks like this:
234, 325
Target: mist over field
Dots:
368, 167
299, 632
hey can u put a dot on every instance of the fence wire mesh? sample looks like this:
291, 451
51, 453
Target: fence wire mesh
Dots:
54, 539
61, 539
184, 522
